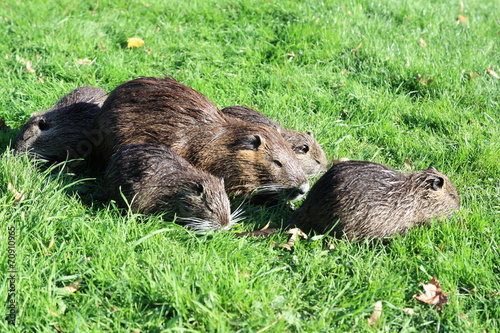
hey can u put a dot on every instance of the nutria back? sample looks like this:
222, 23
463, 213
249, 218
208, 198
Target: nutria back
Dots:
359, 199
63, 131
154, 179
152, 110
308, 151
163, 111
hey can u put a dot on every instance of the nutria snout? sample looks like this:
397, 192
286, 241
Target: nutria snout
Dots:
359, 199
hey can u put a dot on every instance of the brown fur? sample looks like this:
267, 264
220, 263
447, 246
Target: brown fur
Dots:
308, 151
154, 179
359, 199
163, 111
63, 131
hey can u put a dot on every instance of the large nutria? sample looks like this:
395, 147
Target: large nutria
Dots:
359, 199
250, 158
309, 153
153, 179
64, 131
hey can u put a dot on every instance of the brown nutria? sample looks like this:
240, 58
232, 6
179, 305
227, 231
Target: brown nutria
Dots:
250, 158
359, 199
309, 153
63, 131
153, 179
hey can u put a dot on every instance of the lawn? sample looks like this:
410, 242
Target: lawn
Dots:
406, 84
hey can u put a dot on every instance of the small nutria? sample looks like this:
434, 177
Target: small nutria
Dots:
309, 153
153, 179
251, 159
63, 131
359, 199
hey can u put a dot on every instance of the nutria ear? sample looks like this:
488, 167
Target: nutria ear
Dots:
301, 149
310, 133
431, 168
43, 125
198, 189
436, 182
252, 142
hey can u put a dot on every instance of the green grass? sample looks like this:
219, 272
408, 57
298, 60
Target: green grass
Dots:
294, 61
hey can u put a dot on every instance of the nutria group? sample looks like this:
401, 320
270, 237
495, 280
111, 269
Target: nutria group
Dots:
64, 131
309, 153
359, 199
253, 160
153, 179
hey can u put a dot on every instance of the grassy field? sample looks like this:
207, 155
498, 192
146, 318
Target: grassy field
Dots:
382, 81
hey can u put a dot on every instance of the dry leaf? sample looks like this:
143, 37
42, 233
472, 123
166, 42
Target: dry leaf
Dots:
422, 81
266, 226
422, 42
291, 54
410, 311
73, 288
29, 69
472, 75
57, 328
433, 294
377, 312
461, 18
407, 163
134, 42
53, 313
52, 242
462, 7
492, 72
84, 61
357, 48
18, 196
294, 232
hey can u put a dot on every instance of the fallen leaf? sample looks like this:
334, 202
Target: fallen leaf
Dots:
134, 42
57, 328
462, 7
492, 72
461, 18
357, 48
294, 232
29, 69
410, 311
433, 294
52, 242
84, 62
422, 42
291, 54
18, 196
377, 312
472, 75
407, 163
73, 288
422, 81
266, 226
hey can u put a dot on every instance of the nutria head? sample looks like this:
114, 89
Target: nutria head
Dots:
154, 179
311, 157
309, 153
61, 132
253, 160
359, 199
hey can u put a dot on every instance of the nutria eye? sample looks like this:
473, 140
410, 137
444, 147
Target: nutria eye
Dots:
42, 125
278, 163
302, 149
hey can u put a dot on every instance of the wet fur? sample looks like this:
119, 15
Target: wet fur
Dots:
359, 199
153, 179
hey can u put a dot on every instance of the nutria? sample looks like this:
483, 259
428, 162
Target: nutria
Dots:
153, 179
359, 199
309, 153
63, 131
251, 159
